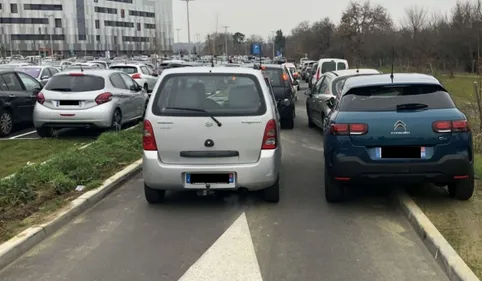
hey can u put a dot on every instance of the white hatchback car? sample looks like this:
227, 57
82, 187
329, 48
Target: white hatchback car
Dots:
211, 128
88, 99
142, 73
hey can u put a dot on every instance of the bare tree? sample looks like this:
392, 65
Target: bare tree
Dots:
415, 19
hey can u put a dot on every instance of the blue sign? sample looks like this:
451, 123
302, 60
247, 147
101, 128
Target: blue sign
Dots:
256, 49
278, 53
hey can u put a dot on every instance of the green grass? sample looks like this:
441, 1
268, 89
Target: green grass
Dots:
41, 189
15, 154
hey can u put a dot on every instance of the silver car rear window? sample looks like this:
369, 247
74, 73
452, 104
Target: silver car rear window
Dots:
219, 94
75, 83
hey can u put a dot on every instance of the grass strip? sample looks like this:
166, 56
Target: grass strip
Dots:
45, 188
15, 154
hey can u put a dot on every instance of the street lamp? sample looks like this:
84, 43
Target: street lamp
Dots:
50, 35
188, 24
272, 34
226, 40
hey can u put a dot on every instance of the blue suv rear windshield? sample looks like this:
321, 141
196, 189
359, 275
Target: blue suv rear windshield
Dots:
387, 97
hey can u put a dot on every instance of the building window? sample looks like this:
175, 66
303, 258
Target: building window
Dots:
24, 20
0, 6
138, 26
97, 24
142, 14
97, 37
135, 39
105, 10
96, 1
42, 7
22, 37
82, 37
115, 40
118, 23
13, 8
123, 13
122, 1
58, 23
150, 26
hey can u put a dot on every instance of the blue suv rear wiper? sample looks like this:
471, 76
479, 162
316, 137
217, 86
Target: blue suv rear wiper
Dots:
411, 106
198, 110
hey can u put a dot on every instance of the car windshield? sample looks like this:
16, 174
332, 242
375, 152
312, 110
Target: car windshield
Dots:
32, 71
125, 69
220, 94
390, 97
75, 83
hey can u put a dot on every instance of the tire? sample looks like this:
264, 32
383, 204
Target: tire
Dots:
45, 132
116, 124
288, 123
310, 123
462, 189
334, 191
6, 123
154, 196
146, 87
271, 194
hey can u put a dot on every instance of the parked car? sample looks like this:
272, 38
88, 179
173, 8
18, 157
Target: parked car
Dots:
284, 93
328, 86
18, 92
326, 65
40, 73
88, 99
211, 128
311, 74
403, 129
144, 76
62, 65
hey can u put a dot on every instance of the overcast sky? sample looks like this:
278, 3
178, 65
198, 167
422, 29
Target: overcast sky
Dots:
263, 16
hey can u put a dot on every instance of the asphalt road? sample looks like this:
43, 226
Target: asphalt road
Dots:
197, 238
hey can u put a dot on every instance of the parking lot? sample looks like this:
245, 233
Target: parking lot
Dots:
29, 133
301, 238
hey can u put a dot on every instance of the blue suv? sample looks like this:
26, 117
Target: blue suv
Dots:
397, 129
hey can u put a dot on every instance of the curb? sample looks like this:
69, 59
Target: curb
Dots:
453, 265
27, 239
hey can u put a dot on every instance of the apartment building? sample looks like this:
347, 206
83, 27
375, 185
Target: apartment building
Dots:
86, 26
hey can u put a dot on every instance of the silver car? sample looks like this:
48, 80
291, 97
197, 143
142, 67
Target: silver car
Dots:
211, 128
41, 73
88, 99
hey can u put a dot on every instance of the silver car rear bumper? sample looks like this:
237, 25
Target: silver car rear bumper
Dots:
253, 176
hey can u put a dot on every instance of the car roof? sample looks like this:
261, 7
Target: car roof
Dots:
129, 64
33, 66
209, 69
346, 72
90, 71
385, 79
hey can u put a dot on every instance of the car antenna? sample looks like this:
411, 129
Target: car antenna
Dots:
357, 67
393, 62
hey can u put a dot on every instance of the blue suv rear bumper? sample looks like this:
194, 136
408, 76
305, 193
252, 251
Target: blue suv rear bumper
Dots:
448, 169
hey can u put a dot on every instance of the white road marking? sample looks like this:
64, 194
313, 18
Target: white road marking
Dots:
21, 135
232, 257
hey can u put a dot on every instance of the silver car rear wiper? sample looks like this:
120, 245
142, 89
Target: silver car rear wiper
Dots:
198, 110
